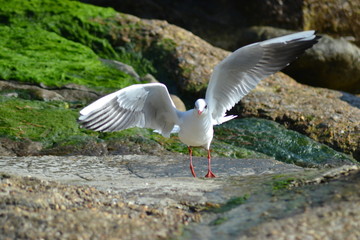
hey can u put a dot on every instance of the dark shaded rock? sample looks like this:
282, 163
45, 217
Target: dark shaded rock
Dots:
89, 147
217, 22
25, 147
220, 23
33, 92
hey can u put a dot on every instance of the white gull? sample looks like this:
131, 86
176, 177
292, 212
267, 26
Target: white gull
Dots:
150, 106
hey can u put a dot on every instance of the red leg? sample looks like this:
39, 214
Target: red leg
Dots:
210, 174
191, 165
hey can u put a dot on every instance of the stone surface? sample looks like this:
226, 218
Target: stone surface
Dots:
151, 197
35, 92
140, 175
122, 67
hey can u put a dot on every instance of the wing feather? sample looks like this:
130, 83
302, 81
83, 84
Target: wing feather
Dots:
141, 105
241, 71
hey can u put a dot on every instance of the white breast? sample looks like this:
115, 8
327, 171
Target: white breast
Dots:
196, 130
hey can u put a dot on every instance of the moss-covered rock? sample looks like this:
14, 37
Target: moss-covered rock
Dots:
36, 120
37, 56
274, 140
54, 125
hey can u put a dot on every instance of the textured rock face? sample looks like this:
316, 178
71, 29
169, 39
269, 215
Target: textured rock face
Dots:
142, 197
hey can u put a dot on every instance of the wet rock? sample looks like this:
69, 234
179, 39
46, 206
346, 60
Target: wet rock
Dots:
319, 113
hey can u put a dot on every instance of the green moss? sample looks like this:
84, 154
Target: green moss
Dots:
274, 140
232, 203
37, 56
71, 19
219, 221
38, 121
85, 24
282, 182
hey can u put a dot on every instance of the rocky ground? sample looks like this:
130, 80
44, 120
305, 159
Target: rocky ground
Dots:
150, 197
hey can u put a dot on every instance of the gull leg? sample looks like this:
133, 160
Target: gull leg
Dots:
210, 174
191, 165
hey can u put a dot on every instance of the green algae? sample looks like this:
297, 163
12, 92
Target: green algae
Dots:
274, 140
282, 182
36, 56
230, 204
46, 122
86, 25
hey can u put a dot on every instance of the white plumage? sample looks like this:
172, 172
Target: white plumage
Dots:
150, 106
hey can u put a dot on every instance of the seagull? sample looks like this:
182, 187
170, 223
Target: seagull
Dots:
149, 105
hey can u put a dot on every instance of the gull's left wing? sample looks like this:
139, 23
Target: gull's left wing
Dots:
241, 71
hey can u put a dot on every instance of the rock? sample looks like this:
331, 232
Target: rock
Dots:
34, 91
76, 92
45, 209
25, 147
221, 23
122, 67
178, 103
185, 63
328, 61
149, 78
336, 18
159, 197
332, 63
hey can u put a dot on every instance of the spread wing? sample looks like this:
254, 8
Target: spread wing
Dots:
241, 71
141, 105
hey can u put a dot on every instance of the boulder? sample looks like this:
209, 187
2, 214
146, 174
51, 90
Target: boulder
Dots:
220, 22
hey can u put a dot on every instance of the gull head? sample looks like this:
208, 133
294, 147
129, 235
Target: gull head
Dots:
200, 106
